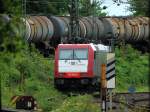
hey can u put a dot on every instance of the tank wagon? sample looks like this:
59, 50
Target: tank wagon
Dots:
42, 28
51, 31
47, 32
80, 65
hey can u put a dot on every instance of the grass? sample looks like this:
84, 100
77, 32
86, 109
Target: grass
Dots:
131, 69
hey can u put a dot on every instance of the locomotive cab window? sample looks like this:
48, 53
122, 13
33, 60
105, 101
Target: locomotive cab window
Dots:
81, 54
73, 54
66, 54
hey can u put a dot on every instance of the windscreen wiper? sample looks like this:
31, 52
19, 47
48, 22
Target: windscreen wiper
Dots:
69, 58
77, 57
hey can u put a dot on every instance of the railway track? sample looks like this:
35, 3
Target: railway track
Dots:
15, 110
121, 102
128, 102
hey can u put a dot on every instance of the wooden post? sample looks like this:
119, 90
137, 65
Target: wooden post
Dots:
103, 87
110, 100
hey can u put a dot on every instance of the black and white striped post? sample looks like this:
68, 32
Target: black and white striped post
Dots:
110, 78
107, 82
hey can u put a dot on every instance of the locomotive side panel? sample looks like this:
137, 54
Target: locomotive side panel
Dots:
109, 60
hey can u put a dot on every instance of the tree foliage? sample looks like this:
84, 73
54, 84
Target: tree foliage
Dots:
47, 7
88, 8
139, 7
61, 7
131, 68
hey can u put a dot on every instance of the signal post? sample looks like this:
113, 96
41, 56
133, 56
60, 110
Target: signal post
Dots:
107, 74
103, 88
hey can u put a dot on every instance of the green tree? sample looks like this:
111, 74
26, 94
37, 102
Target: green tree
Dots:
10, 22
139, 7
87, 8
46, 7
60, 7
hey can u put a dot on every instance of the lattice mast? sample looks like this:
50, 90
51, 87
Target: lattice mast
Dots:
74, 20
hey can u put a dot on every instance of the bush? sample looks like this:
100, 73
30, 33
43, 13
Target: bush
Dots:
131, 68
35, 70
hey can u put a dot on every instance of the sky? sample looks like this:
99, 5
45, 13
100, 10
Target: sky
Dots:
114, 10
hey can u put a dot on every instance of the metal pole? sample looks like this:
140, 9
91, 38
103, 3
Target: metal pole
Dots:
74, 19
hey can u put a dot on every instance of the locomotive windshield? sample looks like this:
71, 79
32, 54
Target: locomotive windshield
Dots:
66, 54
73, 54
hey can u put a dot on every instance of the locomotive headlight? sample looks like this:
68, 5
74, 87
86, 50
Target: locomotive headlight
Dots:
84, 74
61, 74
72, 75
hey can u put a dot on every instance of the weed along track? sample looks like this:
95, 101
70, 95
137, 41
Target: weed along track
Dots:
121, 102
126, 102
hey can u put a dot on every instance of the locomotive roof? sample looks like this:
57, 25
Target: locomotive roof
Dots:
95, 47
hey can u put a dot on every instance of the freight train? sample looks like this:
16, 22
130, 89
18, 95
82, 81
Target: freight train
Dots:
41, 28
51, 31
47, 32
79, 65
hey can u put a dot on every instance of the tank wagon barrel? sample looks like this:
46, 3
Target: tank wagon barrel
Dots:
38, 28
42, 28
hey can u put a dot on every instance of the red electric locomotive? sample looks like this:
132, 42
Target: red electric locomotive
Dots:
79, 64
